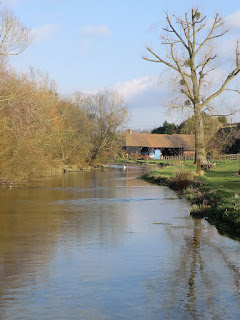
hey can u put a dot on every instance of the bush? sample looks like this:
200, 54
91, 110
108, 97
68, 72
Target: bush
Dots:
182, 179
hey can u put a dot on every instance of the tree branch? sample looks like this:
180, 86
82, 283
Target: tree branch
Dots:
233, 90
223, 87
214, 27
203, 66
177, 34
159, 59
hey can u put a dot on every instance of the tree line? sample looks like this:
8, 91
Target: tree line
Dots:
39, 128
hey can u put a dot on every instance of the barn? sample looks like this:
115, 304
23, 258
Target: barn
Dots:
169, 145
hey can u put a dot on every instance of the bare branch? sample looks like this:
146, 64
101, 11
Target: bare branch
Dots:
203, 65
226, 115
216, 24
159, 60
181, 107
201, 27
15, 36
233, 90
183, 74
223, 87
218, 35
202, 74
200, 21
237, 53
165, 29
177, 34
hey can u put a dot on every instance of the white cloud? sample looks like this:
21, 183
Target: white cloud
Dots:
44, 32
233, 20
136, 86
146, 99
227, 44
93, 31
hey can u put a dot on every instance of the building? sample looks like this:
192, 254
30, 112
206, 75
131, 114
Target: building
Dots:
169, 145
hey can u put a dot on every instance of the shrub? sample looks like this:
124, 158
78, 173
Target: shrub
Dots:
182, 179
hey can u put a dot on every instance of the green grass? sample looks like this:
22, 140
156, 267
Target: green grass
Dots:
174, 168
216, 194
225, 177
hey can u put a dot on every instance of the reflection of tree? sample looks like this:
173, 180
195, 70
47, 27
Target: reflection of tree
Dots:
197, 277
196, 259
61, 212
27, 239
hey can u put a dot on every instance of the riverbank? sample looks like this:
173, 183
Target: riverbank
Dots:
16, 181
214, 195
10, 181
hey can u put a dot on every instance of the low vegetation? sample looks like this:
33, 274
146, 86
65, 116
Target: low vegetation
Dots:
214, 195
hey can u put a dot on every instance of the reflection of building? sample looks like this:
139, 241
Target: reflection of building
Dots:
175, 144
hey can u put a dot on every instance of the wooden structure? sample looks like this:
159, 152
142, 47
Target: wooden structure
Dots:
169, 145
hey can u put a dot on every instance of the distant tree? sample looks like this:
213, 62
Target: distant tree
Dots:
210, 123
107, 112
217, 138
166, 128
225, 140
190, 51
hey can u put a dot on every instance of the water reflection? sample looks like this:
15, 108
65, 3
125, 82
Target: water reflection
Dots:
202, 278
103, 245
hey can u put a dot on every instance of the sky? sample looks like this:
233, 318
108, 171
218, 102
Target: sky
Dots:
95, 44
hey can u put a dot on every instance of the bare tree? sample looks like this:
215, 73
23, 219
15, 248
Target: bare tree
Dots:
14, 35
107, 113
190, 43
14, 39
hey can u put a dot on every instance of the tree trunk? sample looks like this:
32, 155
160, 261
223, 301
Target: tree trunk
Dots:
200, 153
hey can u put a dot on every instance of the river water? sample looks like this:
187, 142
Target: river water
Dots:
104, 245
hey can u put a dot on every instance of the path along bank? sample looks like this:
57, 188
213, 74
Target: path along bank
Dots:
215, 195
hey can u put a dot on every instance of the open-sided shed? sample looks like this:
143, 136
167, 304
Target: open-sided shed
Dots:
175, 144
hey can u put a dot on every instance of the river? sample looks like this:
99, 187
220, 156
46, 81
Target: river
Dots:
104, 245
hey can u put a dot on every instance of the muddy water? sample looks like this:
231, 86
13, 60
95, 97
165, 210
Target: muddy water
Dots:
103, 245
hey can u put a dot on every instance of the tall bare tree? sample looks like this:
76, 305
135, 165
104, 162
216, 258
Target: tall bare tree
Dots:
14, 35
190, 53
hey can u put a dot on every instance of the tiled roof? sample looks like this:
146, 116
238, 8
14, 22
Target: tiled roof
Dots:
185, 141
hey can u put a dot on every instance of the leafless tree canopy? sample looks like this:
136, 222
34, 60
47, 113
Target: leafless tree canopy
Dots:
107, 113
14, 35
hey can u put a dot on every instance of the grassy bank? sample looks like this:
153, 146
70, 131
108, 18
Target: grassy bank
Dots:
214, 195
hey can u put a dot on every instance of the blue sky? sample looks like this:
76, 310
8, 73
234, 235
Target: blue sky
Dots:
93, 44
